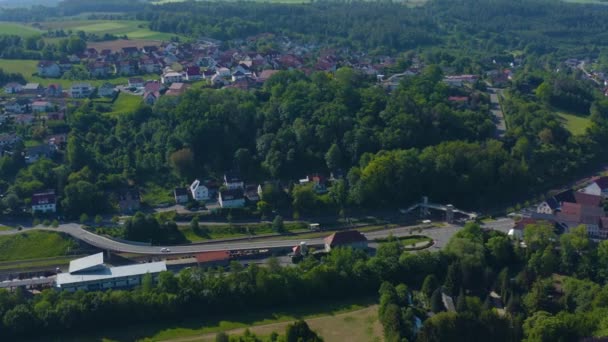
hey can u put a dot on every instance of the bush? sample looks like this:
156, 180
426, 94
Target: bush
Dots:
84, 218
46, 223
55, 224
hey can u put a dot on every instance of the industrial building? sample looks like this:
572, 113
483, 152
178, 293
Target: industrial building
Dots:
90, 274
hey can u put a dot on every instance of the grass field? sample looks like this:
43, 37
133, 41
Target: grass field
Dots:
37, 263
125, 103
577, 125
226, 231
34, 245
357, 322
18, 29
133, 29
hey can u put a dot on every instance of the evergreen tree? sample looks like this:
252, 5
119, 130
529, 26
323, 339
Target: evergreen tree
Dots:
461, 302
436, 301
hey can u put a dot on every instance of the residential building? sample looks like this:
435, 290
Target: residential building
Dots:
180, 195
199, 191
265, 75
91, 274
598, 187
193, 73
223, 72
33, 154
347, 238
232, 180
32, 89
8, 139
48, 69
171, 77
54, 90
136, 82
18, 106
129, 200
41, 106
251, 193
107, 90
177, 89
231, 198
13, 88
124, 68
100, 69
81, 90
553, 204
44, 202
150, 97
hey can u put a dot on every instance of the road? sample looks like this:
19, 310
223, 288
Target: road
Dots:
499, 117
440, 235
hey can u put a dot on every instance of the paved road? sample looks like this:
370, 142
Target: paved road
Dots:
440, 235
499, 118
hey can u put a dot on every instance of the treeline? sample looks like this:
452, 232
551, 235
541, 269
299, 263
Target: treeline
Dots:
34, 47
7, 77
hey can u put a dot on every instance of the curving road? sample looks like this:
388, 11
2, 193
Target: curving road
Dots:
440, 236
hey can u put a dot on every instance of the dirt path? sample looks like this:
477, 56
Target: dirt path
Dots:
320, 324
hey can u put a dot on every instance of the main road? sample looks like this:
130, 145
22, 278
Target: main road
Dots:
440, 236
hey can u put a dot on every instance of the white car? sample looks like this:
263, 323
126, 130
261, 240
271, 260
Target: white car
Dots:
165, 250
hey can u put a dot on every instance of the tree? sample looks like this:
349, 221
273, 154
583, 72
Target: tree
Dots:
194, 225
538, 236
84, 218
277, 224
182, 161
264, 208
98, 219
461, 301
333, 157
436, 301
222, 337
299, 331
429, 285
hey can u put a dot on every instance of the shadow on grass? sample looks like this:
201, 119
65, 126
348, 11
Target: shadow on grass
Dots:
194, 326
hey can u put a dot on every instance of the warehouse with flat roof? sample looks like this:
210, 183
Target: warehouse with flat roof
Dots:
90, 274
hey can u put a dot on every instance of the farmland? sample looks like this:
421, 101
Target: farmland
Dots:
18, 29
133, 29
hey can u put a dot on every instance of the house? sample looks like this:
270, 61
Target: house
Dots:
107, 90
574, 214
149, 65
265, 75
48, 69
128, 200
44, 202
171, 77
65, 64
130, 50
58, 141
232, 180
150, 97
587, 199
598, 187
319, 183
54, 90
18, 106
23, 119
55, 116
124, 68
41, 106
33, 154
135, 82
32, 89
193, 73
100, 69
213, 189
553, 204
208, 74
223, 72
347, 238
231, 198
459, 80
251, 193
180, 195
8, 139
13, 88
199, 191
237, 75
177, 89
149, 48
81, 90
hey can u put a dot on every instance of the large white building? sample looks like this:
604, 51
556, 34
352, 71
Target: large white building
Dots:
90, 274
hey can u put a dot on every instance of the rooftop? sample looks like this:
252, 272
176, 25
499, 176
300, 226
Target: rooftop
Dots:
86, 263
212, 256
345, 237
111, 272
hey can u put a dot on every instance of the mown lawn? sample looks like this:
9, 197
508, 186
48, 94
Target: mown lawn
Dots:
234, 231
34, 245
577, 125
16, 29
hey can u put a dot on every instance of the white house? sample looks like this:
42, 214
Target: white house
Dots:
599, 187
81, 90
231, 198
199, 191
136, 82
44, 202
171, 77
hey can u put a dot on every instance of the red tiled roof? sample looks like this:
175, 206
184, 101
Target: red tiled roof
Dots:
344, 238
587, 199
212, 256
